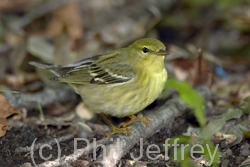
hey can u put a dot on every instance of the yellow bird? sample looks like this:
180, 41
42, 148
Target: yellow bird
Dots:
120, 83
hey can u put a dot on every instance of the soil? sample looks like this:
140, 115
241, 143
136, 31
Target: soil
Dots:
10, 155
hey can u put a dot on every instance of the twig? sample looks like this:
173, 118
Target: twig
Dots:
120, 145
74, 156
46, 97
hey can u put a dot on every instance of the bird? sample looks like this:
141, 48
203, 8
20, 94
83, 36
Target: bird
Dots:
120, 83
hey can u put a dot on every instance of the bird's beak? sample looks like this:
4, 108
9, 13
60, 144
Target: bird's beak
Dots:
162, 52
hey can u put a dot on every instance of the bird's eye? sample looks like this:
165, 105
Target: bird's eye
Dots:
145, 50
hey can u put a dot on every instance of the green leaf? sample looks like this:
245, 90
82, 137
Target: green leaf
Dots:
192, 98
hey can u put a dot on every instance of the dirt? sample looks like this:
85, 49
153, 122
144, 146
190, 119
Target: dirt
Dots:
23, 136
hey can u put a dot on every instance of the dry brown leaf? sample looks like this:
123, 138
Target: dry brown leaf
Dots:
13, 5
6, 109
67, 17
3, 126
202, 74
196, 72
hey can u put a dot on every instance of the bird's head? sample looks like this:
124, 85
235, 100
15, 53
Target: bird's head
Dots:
147, 50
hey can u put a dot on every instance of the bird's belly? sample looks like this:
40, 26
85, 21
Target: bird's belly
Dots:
122, 100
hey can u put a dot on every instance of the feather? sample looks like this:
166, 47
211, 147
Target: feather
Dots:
107, 69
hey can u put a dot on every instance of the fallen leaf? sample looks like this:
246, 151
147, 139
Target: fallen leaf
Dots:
6, 109
3, 126
203, 75
67, 17
195, 72
14, 5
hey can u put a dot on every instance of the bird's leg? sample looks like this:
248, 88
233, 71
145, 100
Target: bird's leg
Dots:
114, 129
133, 119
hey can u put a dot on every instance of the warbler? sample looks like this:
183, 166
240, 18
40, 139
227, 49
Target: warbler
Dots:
120, 83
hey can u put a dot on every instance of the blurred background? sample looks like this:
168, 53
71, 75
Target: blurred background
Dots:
208, 42
65, 31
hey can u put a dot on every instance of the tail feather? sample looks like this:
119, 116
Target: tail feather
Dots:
55, 69
47, 66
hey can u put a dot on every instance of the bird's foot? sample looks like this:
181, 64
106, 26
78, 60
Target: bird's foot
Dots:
116, 130
133, 119
119, 130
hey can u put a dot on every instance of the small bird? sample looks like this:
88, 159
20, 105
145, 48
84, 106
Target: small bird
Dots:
120, 83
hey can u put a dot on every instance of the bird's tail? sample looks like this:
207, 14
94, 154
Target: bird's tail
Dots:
55, 69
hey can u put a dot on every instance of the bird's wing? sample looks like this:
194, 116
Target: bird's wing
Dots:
59, 70
98, 71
